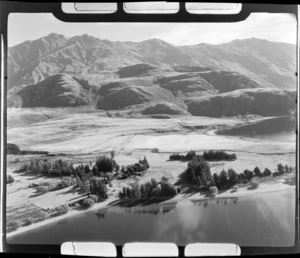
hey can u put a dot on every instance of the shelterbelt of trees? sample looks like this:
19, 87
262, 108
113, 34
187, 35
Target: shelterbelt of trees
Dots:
103, 167
207, 155
198, 174
149, 190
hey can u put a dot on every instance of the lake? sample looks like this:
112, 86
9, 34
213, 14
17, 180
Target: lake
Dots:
265, 219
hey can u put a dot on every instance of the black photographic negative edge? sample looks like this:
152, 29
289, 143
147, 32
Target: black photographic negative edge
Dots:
121, 16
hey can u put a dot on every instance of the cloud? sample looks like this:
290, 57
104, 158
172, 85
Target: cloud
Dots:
274, 27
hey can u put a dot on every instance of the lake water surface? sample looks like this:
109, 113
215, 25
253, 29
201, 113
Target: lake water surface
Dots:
265, 219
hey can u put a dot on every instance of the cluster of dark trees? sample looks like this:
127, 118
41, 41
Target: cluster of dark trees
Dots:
64, 168
198, 173
134, 169
208, 156
90, 180
282, 170
218, 156
103, 167
9, 179
229, 178
46, 167
189, 156
105, 164
149, 190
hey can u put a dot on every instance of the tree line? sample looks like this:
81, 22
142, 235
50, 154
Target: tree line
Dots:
134, 169
207, 155
149, 190
198, 174
104, 167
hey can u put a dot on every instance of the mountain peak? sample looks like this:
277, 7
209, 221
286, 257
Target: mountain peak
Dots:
156, 41
55, 35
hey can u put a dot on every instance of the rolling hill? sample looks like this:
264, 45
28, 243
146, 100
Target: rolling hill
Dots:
59, 90
264, 102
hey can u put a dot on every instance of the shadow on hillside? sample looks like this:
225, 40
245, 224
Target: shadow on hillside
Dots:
182, 161
35, 195
137, 202
71, 190
252, 187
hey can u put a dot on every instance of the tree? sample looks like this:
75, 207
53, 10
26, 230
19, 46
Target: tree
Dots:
223, 178
280, 169
198, 181
128, 193
95, 170
257, 172
241, 176
154, 183
143, 192
198, 167
106, 164
39, 166
112, 154
233, 177
167, 190
267, 172
136, 191
88, 202
33, 167
203, 179
9, 179
190, 175
213, 190
248, 174
286, 169
216, 179
46, 168
86, 187
124, 192
98, 188
146, 163
190, 155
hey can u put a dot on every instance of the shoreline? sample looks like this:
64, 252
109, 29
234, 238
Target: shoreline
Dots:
241, 192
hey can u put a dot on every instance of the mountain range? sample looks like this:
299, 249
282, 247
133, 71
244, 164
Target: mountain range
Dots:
203, 79
270, 64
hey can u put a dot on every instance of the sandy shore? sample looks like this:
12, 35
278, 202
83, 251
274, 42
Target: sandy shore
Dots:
242, 192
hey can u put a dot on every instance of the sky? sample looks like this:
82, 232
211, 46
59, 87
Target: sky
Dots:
273, 27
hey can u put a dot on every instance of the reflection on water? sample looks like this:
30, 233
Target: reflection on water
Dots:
218, 201
153, 209
266, 219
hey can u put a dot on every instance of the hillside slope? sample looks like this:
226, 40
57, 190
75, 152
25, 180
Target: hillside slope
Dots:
126, 92
265, 102
60, 90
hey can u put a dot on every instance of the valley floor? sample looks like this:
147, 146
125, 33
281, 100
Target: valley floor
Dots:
81, 137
